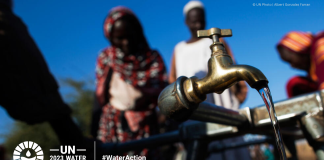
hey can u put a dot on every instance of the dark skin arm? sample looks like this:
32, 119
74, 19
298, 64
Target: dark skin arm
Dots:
31, 94
172, 75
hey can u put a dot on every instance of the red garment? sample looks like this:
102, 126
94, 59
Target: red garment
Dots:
300, 85
147, 75
317, 59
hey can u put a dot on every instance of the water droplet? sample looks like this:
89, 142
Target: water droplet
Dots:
28, 154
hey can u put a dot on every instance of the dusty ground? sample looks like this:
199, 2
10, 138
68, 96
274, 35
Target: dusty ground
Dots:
304, 151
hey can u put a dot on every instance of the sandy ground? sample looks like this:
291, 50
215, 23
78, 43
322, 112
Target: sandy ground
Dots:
304, 151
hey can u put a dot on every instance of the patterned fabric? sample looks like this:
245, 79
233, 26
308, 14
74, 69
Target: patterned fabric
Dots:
317, 58
298, 42
145, 72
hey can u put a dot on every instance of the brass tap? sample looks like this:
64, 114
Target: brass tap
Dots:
180, 99
222, 74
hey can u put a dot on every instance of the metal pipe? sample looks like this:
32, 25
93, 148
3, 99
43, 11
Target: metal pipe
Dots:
295, 107
223, 147
207, 112
150, 142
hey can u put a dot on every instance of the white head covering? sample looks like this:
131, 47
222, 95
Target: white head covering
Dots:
190, 5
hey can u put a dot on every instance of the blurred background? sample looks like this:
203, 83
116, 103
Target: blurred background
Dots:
70, 36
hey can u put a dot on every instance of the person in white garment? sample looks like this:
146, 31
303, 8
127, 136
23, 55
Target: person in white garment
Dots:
190, 58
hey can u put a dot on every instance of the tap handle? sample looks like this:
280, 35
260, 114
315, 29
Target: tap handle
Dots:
214, 33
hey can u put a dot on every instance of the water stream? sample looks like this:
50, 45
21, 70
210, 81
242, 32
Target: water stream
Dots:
266, 97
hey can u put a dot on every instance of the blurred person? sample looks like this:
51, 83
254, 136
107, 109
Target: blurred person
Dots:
130, 76
258, 154
190, 58
267, 152
29, 92
295, 48
305, 52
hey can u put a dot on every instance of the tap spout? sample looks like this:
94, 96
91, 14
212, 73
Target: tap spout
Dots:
222, 74
253, 76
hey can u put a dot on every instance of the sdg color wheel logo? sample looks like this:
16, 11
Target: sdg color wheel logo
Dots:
28, 150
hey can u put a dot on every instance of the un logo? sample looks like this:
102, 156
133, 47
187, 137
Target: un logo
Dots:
28, 150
